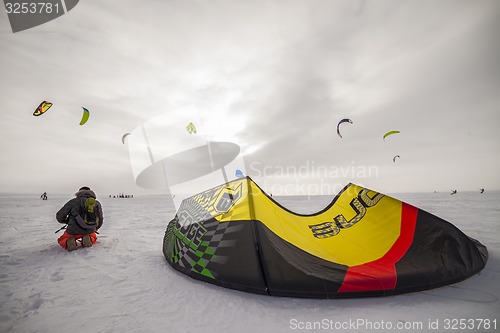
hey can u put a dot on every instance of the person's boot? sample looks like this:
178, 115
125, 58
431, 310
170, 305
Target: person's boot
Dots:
86, 241
71, 244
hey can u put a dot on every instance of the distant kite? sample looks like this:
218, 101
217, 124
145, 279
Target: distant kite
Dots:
42, 108
482, 190
394, 158
124, 136
390, 133
85, 116
453, 192
345, 120
239, 174
191, 128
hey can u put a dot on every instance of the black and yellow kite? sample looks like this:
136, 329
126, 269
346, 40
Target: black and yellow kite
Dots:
363, 244
42, 108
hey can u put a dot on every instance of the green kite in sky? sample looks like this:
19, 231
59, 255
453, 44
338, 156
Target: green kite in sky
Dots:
390, 133
85, 116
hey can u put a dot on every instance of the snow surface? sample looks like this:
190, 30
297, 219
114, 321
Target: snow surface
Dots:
124, 284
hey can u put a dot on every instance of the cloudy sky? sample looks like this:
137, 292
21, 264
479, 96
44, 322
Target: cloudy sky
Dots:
277, 75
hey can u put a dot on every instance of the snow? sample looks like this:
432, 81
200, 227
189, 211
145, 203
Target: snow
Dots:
124, 284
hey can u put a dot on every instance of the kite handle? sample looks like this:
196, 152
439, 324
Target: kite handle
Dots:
63, 227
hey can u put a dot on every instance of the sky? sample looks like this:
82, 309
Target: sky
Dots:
273, 77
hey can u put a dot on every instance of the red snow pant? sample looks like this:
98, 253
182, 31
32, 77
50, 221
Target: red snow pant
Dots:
64, 238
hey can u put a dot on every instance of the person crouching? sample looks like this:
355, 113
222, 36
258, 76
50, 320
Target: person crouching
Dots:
83, 215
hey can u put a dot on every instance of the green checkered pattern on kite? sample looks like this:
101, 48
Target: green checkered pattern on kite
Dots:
194, 235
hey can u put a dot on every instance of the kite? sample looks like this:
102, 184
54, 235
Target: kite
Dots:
390, 133
363, 243
191, 128
124, 136
453, 192
239, 174
42, 108
481, 190
85, 116
394, 158
345, 120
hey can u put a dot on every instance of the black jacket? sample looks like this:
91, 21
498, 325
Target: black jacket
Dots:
67, 213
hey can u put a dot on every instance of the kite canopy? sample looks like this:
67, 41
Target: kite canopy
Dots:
124, 136
42, 108
345, 120
190, 128
85, 116
363, 244
390, 133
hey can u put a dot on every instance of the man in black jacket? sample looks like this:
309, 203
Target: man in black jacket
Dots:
83, 215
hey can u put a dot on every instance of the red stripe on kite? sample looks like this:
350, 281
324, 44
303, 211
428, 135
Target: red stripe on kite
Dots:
381, 273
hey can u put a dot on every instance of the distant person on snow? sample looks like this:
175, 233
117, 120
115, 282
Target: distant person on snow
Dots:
83, 215
44, 196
